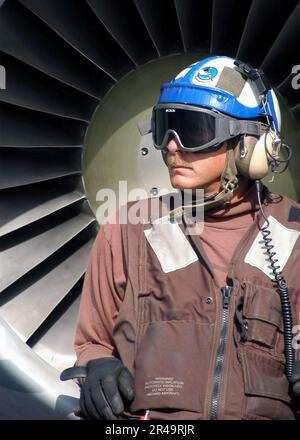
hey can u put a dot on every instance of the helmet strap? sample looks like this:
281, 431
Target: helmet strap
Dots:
229, 180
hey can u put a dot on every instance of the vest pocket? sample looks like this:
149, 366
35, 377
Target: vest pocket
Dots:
171, 365
262, 319
266, 387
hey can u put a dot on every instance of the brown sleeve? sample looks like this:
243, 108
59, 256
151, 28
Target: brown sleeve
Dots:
102, 294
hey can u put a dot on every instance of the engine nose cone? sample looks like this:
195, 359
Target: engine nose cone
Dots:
114, 148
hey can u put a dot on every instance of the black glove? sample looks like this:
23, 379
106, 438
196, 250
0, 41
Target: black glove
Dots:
295, 381
107, 381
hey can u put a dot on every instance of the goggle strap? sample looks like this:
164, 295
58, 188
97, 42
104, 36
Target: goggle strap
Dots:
245, 127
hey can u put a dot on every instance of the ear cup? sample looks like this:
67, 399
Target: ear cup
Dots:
252, 160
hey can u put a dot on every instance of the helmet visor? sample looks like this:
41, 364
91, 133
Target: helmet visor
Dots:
195, 129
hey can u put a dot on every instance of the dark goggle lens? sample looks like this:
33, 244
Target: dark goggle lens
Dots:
193, 127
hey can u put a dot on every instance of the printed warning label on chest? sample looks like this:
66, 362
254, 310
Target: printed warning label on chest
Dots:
162, 386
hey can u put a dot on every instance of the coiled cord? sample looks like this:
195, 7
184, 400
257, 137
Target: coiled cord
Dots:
282, 289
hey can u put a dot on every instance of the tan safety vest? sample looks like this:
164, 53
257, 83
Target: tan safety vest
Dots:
198, 351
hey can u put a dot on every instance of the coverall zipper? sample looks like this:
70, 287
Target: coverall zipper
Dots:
226, 293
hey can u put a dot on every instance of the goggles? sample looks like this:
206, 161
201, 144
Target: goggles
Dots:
197, 129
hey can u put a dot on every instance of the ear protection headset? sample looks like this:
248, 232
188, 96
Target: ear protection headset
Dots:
256, 157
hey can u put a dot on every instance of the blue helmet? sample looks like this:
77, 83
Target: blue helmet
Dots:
217, 83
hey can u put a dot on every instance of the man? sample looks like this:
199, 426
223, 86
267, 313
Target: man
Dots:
198, 326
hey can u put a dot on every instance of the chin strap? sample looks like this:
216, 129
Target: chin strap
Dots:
229, 184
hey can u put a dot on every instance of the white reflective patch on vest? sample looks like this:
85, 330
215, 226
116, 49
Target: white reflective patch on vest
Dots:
170, 246
283, 240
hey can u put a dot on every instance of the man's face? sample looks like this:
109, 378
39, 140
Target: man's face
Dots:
195, 170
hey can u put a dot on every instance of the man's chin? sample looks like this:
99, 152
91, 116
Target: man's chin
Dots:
182, 184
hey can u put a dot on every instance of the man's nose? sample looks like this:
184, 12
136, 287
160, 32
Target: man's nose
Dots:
172, 145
